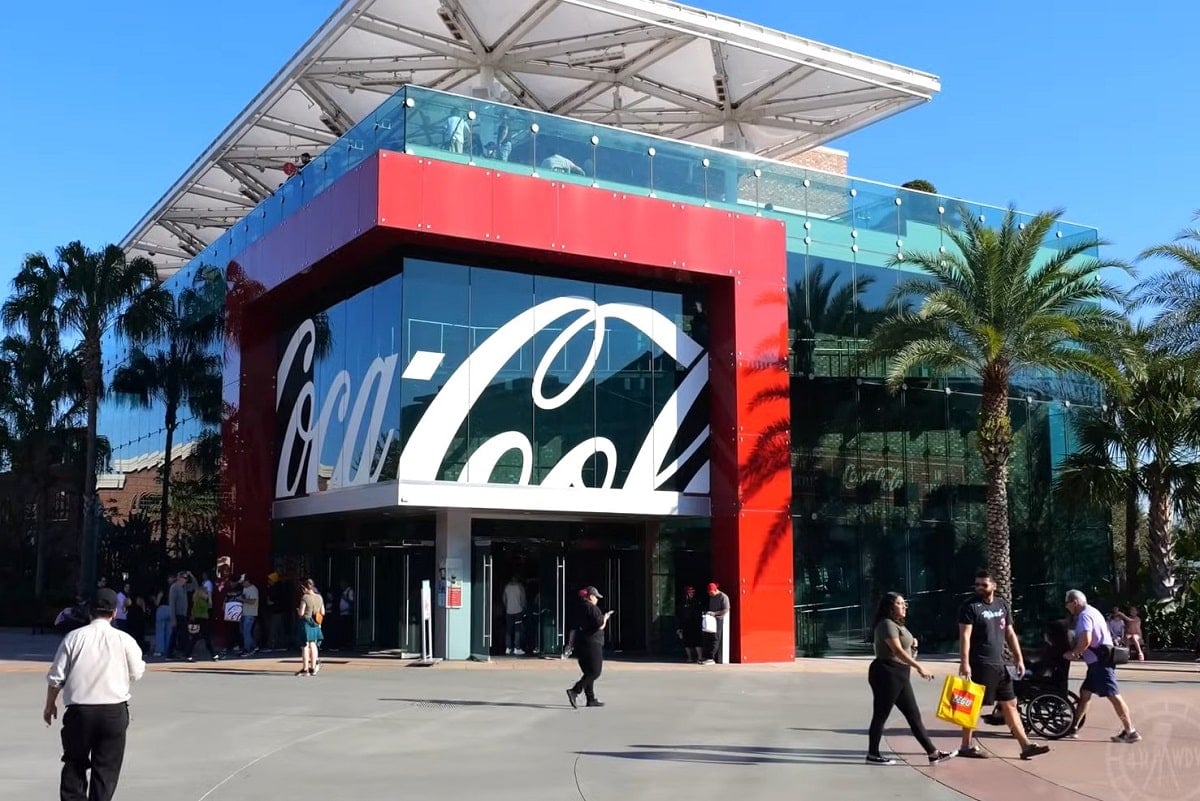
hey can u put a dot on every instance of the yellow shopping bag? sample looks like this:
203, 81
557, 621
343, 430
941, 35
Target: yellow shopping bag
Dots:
961, 703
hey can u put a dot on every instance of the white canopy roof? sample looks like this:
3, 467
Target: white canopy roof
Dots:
645, 65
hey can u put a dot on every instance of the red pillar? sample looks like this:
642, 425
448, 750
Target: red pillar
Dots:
751, 419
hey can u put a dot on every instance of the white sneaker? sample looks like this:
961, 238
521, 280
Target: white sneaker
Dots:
508, 652
518, 652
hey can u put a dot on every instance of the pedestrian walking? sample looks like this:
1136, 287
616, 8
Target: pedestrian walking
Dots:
93, 670
589, 647
890, 679
985, 628
1094, 644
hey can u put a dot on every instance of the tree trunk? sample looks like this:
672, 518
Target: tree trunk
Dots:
1161, 541
995, 449
87, 541
165, 503
1132, 518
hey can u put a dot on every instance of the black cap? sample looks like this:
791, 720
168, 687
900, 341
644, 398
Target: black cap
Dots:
103, 603
593, 591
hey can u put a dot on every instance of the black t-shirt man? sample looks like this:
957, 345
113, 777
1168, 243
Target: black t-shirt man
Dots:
989, 624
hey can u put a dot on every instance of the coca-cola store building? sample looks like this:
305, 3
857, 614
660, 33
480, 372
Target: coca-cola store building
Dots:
600, 358
469, 376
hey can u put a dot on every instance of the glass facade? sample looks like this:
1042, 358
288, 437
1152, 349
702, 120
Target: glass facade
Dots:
887, 488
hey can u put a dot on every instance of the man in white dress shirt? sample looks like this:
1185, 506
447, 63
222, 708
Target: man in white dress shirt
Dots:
93, 670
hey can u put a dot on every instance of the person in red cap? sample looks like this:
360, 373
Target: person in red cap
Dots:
574, 618
718, 608
589, 642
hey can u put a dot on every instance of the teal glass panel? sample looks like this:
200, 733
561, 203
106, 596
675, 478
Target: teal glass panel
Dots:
386, 125
567, 331
436, 339
500, 427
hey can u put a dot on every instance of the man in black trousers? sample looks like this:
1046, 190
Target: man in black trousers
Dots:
93, 670
589, 647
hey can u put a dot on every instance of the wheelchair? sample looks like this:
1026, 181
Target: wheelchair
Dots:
1046, 709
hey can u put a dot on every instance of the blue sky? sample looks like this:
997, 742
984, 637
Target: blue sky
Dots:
1042, 104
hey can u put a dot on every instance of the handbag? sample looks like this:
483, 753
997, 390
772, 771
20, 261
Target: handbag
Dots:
708, 623
318, 617
961, 702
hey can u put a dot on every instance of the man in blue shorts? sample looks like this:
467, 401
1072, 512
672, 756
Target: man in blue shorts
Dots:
1094, 644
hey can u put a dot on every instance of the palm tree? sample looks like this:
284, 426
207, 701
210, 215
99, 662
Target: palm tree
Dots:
1177, 293
180, 370
42, 408
90, 292
1142, 446
994, 305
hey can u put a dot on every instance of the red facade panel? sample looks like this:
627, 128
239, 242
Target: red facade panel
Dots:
392, 198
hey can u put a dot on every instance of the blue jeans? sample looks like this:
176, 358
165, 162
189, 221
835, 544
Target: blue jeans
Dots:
162, 630
248, 634
513, 631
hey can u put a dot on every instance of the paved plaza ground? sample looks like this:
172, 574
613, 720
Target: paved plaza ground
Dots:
372, 728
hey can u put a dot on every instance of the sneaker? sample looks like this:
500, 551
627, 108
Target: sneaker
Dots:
708, 662
973, 752
1033, 749
573, 698
1127, 737
216, 657
940, 756
508, 652
876, 759
594, 702
518, 652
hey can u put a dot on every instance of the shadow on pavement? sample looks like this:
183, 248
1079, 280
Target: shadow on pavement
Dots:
734, 755
459, 702
862, 731
231, 672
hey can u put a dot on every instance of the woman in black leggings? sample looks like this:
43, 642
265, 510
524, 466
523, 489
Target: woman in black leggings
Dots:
891, 681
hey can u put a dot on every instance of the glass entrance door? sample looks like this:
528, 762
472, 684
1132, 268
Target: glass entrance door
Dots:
482, 607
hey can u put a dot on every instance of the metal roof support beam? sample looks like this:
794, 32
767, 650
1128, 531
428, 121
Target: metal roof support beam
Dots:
867, 94
191, 244
397, 33
337, 116
222, 217
160, 250
655, 54
587, 43
315, 135
381, 66
778, 85
218, 194
523, 26
459, 21
249, 182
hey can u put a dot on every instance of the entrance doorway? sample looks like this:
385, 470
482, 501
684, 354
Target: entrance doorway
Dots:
527, 575
386, 583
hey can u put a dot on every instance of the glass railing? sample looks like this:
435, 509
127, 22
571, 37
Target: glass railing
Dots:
825, 213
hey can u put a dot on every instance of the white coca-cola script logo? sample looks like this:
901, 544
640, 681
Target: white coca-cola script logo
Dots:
365, 446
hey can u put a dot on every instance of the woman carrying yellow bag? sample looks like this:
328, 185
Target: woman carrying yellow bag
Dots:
890, 677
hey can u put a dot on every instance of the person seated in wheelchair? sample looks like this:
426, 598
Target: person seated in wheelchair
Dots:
1050, 669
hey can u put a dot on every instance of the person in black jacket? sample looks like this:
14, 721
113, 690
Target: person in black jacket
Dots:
687, 618
589, 646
